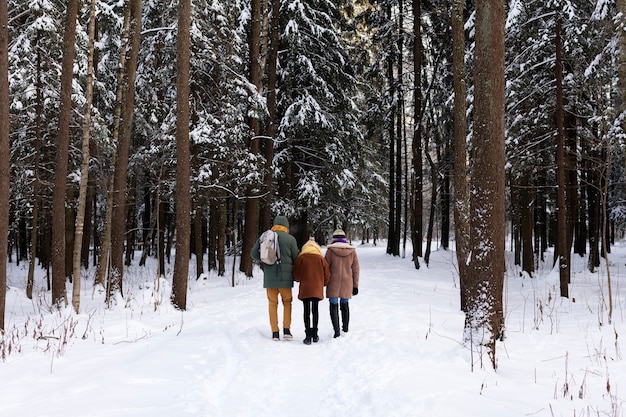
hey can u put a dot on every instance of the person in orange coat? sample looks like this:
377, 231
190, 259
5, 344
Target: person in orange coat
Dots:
312, 272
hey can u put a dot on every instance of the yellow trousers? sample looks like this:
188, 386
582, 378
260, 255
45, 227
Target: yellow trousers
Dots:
272, 298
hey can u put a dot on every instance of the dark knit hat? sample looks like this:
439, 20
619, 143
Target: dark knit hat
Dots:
338, 234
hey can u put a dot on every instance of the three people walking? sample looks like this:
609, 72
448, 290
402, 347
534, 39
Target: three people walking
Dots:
338, 270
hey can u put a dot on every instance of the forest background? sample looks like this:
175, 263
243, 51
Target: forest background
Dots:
180, 127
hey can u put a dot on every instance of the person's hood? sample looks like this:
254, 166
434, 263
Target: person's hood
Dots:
311, 247
341, 249
281, 221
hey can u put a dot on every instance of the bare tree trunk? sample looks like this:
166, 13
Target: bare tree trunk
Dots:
36, 197
198, 221
183, 232
103, 264
84, 170
621, 30
221, 237
461, 199
593, 187
399, 124
526, 227
4, 155
563, 252
433, 207
252, 202
59, 295
118, 221
417, 210
88, 224
484, 322
265, 216
444, 200
70, 221
161, 227
213, 234
393, 233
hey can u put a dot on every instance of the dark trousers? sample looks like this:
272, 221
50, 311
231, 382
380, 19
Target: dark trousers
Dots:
311, 312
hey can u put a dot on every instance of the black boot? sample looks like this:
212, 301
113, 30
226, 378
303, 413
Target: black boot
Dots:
334, 318
345, 317
316, 318
314, 335
307, 339
307, 324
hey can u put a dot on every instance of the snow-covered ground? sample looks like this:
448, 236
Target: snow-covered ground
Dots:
403, 355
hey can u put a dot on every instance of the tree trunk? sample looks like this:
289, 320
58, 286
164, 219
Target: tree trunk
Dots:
570, 148
198, 222
417, 210
433, 207
84, 170
123, 149
88, 225
161, 227
70, 221
36, 198
252, 202
526, 227
562, 228
399, 124
484, 321
392, 234
621, 30
5, 152
593, 208
213, 234
444, 200
461, 201
105, 256
515, 215
183, 232
131, 224
59, 296
266, 213
221, 237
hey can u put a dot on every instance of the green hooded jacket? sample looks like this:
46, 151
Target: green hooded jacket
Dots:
279, 275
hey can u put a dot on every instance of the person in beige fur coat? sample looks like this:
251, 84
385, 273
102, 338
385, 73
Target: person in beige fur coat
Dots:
344, 279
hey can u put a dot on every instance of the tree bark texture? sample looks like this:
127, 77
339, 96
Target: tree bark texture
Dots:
526, 227
183, 210
266, 211
417, 205
484, 318
461, 200
59, 295
251, 226
105, 249
120, 175
36, 197
84, 170
562, 227
621, 28
5, 152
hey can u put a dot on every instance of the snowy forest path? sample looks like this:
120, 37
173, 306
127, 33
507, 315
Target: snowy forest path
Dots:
335, 376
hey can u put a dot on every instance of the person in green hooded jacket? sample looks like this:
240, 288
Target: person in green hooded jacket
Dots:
278, 278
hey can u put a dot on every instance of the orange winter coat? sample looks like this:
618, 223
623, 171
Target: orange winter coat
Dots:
344, 270
311, 270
